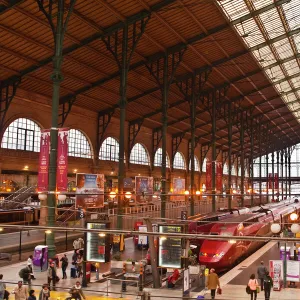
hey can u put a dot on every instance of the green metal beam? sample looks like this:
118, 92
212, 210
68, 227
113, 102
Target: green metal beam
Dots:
10, 4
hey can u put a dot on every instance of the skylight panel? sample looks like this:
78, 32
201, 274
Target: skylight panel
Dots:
250, 33
296, 82
272, 23
275, 73
264, 56
283, 48
234, 8
292, 13
292, 67
297, 41
261, 3
291, 97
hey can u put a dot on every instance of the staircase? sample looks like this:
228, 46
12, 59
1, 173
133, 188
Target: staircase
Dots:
18, 199
68, 214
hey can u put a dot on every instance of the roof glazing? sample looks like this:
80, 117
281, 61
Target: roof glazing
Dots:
279, 58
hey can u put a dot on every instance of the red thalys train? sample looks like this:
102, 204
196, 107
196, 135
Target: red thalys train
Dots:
221, 255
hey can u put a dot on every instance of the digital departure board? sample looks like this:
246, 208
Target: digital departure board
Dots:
169, 249
95, 244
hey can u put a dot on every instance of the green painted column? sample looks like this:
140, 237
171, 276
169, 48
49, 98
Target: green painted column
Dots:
242, 160
122, 106
229, 190
213, 152
57, 78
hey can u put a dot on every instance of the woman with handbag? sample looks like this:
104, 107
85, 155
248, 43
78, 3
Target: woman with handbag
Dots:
254, 286
212, 283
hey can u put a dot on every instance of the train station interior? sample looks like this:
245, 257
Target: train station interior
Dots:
150, 149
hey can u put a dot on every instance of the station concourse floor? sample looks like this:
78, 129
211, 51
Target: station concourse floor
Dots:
233, 283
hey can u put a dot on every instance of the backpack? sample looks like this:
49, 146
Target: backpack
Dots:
23, 272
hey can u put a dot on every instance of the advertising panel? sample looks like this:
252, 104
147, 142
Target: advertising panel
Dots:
62, 160
169, 249
95, 243
208, 174
44, 161
219, 175
293, 271
89, 190
178, 189
143, 188
276, 272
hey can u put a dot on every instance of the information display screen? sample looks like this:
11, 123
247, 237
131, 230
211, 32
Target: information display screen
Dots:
95, 244
169, 249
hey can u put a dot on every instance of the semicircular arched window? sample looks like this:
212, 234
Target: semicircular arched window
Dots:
204, 165
196, 163
79, 145
179, 162
22, 134
139, 155
109, 150
233, 171
158, 159
225, 169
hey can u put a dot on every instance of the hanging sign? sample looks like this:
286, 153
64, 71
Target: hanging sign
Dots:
208, 174
219, 176
62, 160
270, 181
276, 181
44, 161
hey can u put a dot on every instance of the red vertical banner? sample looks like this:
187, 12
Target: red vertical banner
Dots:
62, 160
219, 175
270, 181
44, 161
208, 174
276, 181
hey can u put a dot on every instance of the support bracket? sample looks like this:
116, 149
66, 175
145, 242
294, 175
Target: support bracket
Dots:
224, 156
204, 151
7, 93
156, 139
66, 108
133, 130
104, 119
176, 141
190, 148
114, 41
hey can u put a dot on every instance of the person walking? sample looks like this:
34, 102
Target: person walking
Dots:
30, 265
76, 292
212, 283
25, 274
51, 273
253, 284
20, 291
81, 243
2, 287
268, 284
76, 245
64, 264
79, 264
261, 273
32, 295
44, 293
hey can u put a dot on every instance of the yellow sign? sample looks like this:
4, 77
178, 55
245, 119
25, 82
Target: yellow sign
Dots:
116, 239
206, 272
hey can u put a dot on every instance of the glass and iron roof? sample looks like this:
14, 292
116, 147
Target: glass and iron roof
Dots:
279, 28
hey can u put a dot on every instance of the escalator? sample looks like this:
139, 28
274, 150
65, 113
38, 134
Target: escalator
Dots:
18, 199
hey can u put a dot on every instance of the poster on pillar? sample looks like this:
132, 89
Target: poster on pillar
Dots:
270, 180
143, 188
62, 160
219, 175
276, 181
208, 174
89, 190
44, 161
178, 189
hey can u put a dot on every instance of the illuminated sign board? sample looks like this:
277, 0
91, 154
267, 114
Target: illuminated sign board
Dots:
169, 249
95, 243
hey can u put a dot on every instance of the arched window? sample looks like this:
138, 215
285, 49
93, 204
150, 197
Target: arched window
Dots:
179, 162
139, 155
79, 145
225, 169
204, 165
158, 159
22, 134
240, 171
233, 171
109, 150
196, 162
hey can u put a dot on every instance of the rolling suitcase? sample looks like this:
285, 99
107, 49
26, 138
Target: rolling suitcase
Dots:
73, 273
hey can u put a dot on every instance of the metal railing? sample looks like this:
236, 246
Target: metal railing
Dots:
18, 199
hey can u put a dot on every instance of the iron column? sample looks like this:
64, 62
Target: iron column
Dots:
213, 152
